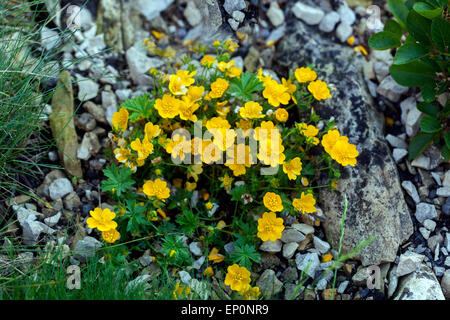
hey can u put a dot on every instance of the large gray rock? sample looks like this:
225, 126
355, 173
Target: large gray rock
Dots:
269, 284
376, 205
420, 285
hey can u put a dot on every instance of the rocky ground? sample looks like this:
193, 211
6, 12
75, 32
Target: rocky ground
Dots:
406, 205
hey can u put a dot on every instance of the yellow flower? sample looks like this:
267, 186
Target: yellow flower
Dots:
186, 77
272, 201
251, 294
144, 148
209, 205
319, 90
281, 115
230, 45
251, 110
238, 158
168, 106
215, 256
327, 258
151, 131
194, 171
218, 88
158, 35
208, 61
176, 85
220, 129
361, 49
304, 181
121, 154
221, 224
305, 204
180, 291
208, 272
216, 43
157, 188
195, 93
187, 109
276, 93
238, 278
172, 253
305, 75
101, 219
290, 86
309, 131
111, 235
270, 227
339, 148
262, 78
351, 40
293, 168
190, 186
226, 181
120, 119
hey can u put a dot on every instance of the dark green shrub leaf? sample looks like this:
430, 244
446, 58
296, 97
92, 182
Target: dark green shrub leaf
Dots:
430, 124
428, 92
408, 53
413, 74
394, 27
384, 40
418, 144
419, 27
440, 33
428, 109
399, 10
426, 10
447, 139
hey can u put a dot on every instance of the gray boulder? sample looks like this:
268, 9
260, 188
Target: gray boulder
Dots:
376, 205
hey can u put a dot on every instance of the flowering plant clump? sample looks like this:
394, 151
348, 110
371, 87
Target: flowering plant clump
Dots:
216, 155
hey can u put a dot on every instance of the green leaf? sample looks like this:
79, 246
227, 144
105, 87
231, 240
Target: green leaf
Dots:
419, 27
119, 179
440, 33
430, 124
418, 144
426, 10
245, 86
447, 139
408, 53
428, 109
413, 74
428, 92
140, 107
399, 10
237, 192
384, 40
394, 27
245, 255
445, 152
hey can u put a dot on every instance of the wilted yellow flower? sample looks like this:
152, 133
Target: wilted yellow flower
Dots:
110, 235
272, 201
319, 90
276, 93
180, 291
101, 219
238, 278
120, 119
215, 256
305, 204
292, 168
218, 88
168, 106
281, 115
251, 110
305, 75
327, 258
208, 272
270, 227
157, 188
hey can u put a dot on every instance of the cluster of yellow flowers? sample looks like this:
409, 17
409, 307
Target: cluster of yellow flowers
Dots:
103, 221
213, 98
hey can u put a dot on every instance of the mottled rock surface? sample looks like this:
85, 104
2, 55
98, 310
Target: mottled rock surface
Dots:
376, 205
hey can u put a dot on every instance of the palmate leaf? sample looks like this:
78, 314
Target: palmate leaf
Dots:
119, 179
140, 107
245, 255
245, 86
